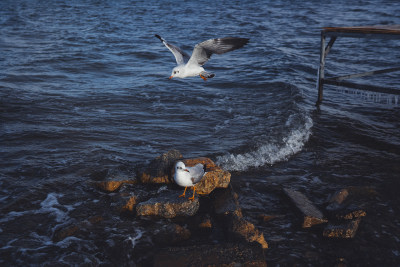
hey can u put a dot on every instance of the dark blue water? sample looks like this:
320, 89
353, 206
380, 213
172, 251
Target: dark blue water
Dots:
84, 89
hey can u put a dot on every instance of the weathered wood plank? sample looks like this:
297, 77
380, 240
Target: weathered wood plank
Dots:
376, 29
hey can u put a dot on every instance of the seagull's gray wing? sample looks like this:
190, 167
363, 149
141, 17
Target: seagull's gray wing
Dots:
203, 51
180, 56
196, 172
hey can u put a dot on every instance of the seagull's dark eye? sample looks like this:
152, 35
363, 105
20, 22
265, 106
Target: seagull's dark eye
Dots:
174, 72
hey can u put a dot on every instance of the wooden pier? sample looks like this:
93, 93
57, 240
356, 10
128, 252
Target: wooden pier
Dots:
386, 32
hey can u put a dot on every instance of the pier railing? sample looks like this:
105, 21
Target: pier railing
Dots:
387, 32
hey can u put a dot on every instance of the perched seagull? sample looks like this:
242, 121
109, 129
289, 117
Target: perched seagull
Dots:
188, 176
192, 66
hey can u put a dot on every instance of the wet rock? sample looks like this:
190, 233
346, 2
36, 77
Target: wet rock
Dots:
229, 254
63, 233
74, 229
113, 185
311, 215
205, 223
267, 218
339, 196
159, 169
226, 205
351, 194
347, 229
243, 229
207, 162
215, 177
347, 212
225, 202
172, 234
168, 205
130, 204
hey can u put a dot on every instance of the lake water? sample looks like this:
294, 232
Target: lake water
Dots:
84, 91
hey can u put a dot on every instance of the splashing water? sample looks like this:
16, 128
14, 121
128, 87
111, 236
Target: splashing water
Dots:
270, 153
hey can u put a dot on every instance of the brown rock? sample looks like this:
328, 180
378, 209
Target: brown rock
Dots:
172, 234
63, 233
71, 230
207, 162
229, 254
130, 204
111, 186
339, 196
159, 169
245, 229
205, 223
267, 218
311, 215
168, 205
215, 177
344, 230
348, 212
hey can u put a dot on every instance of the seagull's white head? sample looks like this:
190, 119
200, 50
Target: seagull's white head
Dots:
180, 166
178, 72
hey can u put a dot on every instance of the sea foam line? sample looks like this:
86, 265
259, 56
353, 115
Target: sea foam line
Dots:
270, 153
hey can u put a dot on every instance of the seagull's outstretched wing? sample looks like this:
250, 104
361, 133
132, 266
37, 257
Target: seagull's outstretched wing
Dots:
180, 56
196, 172
203, 51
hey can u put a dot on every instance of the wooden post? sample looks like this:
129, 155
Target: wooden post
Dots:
321, 76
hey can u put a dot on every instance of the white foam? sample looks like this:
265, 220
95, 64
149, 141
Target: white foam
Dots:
50, 205
139, 234
271, 153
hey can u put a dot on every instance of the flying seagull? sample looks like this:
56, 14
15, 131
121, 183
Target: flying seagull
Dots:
192, 66
188, 176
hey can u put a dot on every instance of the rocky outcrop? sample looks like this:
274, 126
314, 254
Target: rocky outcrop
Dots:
215, 177
226, 205
168, 205
344, 211
160, 169
346, 229
242, 229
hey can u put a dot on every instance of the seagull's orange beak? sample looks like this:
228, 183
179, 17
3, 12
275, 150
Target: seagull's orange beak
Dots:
186, 170
170, 77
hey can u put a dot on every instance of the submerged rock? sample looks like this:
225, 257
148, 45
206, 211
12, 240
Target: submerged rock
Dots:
346, 229
113, 185
311, 215
159, 170
347, 212
168, 205
75, 229
229, 254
